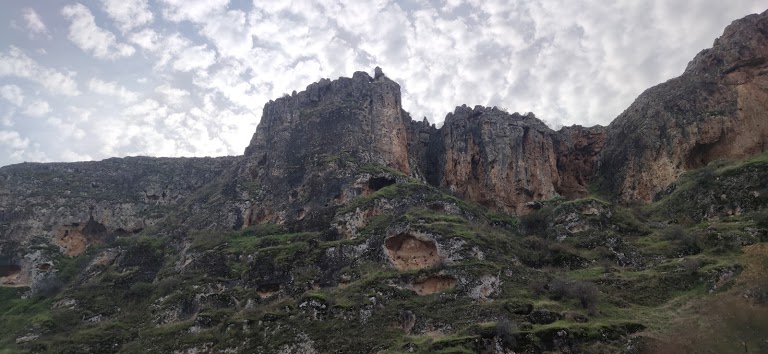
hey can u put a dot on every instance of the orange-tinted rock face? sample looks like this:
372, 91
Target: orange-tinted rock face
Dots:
577, 156
408, 251
497, 159
505, 160
73, 240
718, 109
434, 284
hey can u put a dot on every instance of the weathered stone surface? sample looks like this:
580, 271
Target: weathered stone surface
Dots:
504, 160
74, 205
718, 109
309, 146
577, 150
497, 159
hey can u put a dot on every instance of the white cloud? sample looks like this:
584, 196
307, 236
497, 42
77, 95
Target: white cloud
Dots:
128, 14
12, 94
173, 95
193, 10
66, 129
37, 108
196, 57
112, 89
91, 38
13, 140
34, 23
16, 63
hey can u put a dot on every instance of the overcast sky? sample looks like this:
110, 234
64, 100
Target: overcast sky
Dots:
94, 79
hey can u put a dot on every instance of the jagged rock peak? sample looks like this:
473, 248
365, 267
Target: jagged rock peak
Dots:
360, 115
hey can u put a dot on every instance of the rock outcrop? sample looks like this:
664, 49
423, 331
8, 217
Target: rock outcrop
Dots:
74, 205
309, 146
504, 161
497, 159
718, 109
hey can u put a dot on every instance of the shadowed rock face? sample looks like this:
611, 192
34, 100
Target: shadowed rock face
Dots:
497, 159
577, 149
309, 145
718, 109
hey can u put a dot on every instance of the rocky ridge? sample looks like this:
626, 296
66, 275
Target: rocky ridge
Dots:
718, 109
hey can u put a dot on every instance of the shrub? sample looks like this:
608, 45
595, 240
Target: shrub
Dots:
537, 287
47, 287
691, 265
535, 222
761, 220
139, 291
585, 292
688, 242
505, 330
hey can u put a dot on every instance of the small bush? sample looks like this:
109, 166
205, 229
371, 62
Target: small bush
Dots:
167, 286
536, 222
691, 265
687, 242
673, 233
139, 291
505, 330
537, 287
761, 220
586, 293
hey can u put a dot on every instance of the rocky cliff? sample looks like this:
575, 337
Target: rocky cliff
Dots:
309, 147
75, 205
718, 109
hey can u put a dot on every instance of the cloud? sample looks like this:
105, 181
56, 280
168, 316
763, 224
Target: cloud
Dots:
14, 144
66, 129
15, 63
37, 108
112, 89
12, 94
193, 10
91, 38
173, 95
34, 23
195, 57
128, 14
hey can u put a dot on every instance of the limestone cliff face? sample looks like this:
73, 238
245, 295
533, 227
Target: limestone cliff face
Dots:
718, 109
577, 150
497, 159
74, 205
504, 161
309, 146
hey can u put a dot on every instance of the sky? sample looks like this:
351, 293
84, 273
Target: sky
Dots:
94, 79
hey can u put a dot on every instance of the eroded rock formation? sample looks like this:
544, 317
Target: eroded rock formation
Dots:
408, 251
434, 284
718, 109
308, 146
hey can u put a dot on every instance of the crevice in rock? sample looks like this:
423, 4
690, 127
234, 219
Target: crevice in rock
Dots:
9, 270
376, 183
700, 155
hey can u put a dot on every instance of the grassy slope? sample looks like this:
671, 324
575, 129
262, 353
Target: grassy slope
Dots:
656, 268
